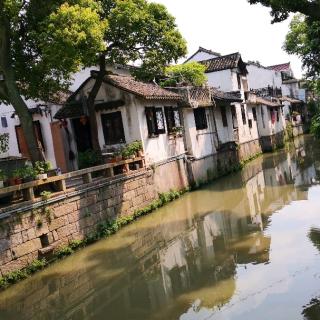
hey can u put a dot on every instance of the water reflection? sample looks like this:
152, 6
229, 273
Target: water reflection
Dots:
186, 261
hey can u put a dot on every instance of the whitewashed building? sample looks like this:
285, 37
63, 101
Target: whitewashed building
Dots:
229, 74
128, 110
50, 135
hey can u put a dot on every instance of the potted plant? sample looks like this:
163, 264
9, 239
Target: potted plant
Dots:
139, 148
28, 174
17, 175
126, 152
177, 131
118, 156
45, 195
11, 181
41, 169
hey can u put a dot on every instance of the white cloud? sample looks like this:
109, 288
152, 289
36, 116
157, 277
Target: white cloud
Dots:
228, 26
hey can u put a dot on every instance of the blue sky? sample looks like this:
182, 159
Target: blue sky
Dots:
228, 26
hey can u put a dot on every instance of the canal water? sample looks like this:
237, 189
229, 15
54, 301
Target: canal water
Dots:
244, 247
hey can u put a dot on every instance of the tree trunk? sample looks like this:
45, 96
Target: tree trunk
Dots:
26, 121
90, 104
12, 92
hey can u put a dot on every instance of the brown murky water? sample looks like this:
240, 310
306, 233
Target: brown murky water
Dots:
244, 247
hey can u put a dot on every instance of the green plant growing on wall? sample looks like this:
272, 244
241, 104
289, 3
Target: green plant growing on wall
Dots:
16, 276
315, 125
39, 223
47, 213
45, 195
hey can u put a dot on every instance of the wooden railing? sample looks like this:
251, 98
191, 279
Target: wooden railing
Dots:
86, 175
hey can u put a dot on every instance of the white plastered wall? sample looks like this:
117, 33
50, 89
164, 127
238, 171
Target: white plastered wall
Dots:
157, 149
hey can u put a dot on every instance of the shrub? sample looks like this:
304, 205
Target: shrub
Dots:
41, 167
190, 73
315, 125
89, 158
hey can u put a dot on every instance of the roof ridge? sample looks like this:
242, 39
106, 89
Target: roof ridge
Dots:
209, 51
224, 56
278, 65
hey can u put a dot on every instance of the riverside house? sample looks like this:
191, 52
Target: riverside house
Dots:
52, 138
229, 74
209, 131
186, 132
128, 110
289, 90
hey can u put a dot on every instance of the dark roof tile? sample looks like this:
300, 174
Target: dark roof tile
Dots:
280, 67
229, 61
148, 91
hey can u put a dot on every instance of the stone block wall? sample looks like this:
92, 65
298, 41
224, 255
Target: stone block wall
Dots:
211, 167
272, 142
249, 149
297, 130
27, 234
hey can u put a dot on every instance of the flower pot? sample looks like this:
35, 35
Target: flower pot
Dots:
118, 158
27, 179
11, 181
140, 153
52, 173
42, 176
17, 181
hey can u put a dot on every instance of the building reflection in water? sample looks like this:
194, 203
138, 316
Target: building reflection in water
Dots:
158, 268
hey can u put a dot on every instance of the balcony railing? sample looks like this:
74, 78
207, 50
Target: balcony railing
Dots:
268, 92
107, 171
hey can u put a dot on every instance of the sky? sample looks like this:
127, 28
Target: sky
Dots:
228, 26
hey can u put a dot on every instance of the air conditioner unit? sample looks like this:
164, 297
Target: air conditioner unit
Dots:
1, 77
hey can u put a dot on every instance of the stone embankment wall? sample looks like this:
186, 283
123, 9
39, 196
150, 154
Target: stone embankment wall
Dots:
30, 231
270, 143
249, 149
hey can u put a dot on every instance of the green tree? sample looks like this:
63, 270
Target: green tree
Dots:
138, 31
303, 40
41, 44
190, 73
281, 9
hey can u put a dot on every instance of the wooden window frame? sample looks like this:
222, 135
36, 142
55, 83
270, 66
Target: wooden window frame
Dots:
111, 116
243, 115
200, 118
254, 113
224, 116
4, 122
171, 120
153, 121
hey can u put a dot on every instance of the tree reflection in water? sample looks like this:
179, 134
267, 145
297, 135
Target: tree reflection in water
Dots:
312, 310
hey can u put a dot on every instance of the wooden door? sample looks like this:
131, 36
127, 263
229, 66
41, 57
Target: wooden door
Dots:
59, 146
22, 142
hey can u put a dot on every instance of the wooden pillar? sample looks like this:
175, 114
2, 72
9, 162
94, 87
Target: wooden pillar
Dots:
28, 194
62, 185
87, 178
